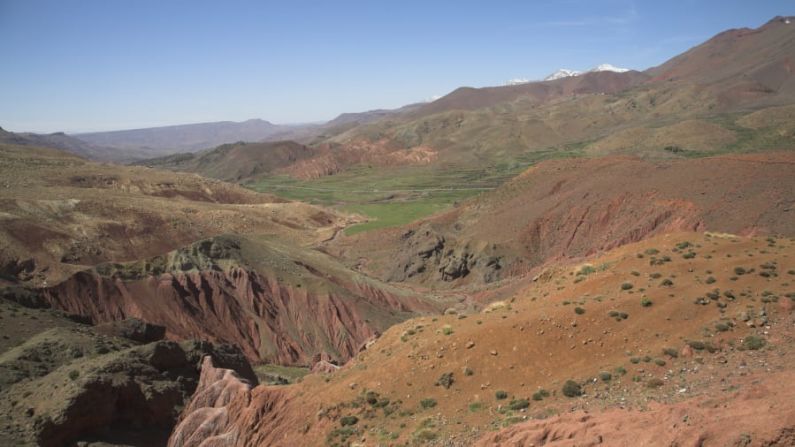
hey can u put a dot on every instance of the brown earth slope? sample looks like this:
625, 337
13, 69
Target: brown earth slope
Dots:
60, 213
696, 328
237, 162
744, 66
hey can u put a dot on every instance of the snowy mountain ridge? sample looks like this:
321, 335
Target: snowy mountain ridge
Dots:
565, 73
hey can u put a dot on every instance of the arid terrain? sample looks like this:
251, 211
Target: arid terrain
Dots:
690, 341
605, 259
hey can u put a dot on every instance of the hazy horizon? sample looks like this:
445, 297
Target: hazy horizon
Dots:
98, 66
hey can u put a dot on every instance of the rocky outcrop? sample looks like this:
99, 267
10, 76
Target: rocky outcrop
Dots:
226, 411
206, 417
424, 252
15, 270
324, 367
69, 384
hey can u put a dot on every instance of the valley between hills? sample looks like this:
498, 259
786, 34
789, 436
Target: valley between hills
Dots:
600, 258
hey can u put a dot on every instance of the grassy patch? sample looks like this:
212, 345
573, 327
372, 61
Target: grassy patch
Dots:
428, 403
384, 215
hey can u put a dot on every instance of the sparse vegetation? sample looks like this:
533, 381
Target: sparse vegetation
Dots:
428, 403
540, 394
500, 395
348, 420
474, 407
519, 404
753, 342
445, 380
571, 389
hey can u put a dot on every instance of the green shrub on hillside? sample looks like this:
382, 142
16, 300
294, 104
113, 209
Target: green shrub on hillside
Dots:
571, 389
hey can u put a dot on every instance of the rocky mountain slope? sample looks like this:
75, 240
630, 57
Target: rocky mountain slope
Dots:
237, 162
63, 382
673, 323
278, 303
740, 66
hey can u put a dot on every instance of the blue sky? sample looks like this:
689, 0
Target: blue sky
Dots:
113, 64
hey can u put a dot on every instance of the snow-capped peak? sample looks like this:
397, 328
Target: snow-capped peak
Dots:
608, 67
565, 72
517, 81
562, 73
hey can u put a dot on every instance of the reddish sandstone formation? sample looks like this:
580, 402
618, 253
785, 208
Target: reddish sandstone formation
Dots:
273, 314
204, 420
225, 411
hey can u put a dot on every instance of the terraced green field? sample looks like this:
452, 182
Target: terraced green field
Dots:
396, 196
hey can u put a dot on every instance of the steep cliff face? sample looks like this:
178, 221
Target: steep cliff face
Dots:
278, 303
206, 417
226, 411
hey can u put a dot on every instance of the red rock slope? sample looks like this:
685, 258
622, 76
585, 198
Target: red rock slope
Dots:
279, 303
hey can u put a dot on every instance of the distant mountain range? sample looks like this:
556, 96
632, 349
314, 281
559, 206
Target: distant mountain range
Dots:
58, 140
739, 70
138, 144
190, 137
